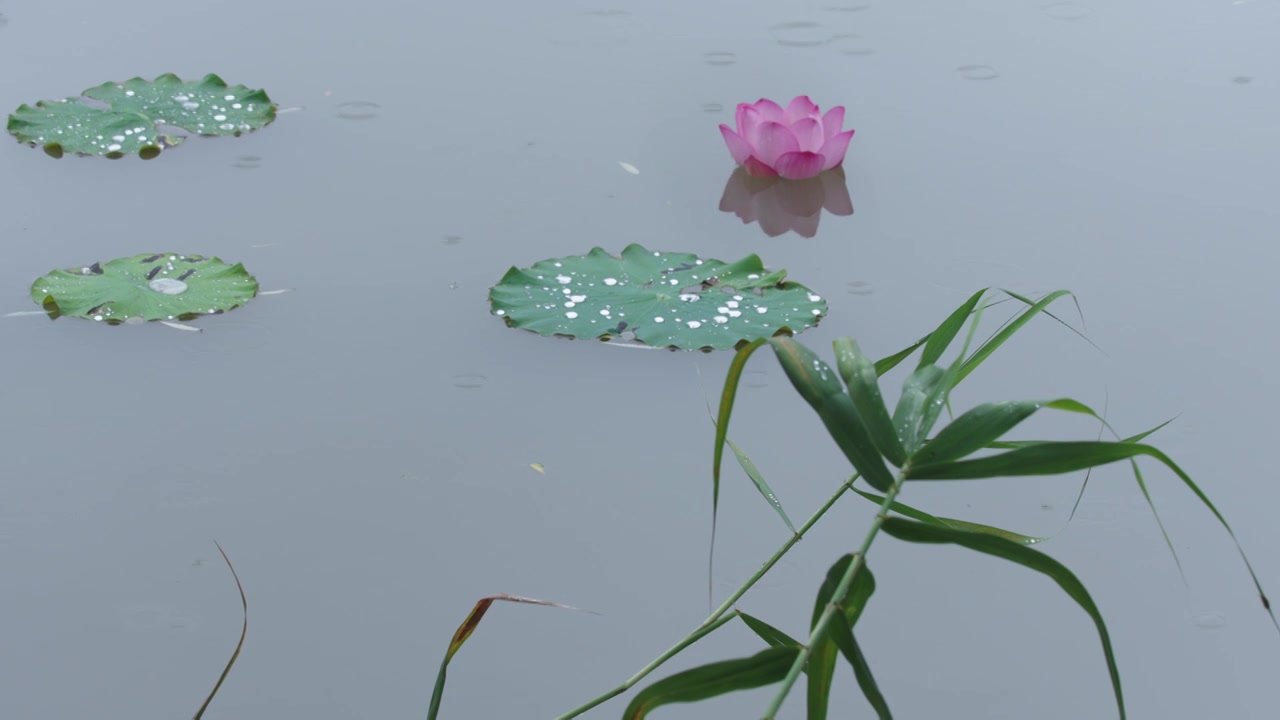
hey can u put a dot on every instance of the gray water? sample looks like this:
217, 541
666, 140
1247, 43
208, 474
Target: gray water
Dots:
362, 446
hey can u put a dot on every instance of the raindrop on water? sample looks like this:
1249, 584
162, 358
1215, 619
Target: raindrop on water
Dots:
851, 44
712, 107
1242, 79
800, 34
1210, 620
719, 58
247, 162
977, 72
358, 110
470, 381
859, 287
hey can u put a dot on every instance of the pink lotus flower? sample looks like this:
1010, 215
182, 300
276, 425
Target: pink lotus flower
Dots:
795, 143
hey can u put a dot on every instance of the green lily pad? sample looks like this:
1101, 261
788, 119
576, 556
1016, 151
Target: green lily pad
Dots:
154, 286
142, 116
675, 300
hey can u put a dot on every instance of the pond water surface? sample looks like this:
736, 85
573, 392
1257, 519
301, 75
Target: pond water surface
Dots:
362, 445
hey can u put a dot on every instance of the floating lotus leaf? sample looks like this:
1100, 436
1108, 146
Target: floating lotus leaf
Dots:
116, 119
661, 299
160, 286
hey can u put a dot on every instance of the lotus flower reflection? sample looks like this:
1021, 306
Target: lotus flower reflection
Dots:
782, 206
795, 142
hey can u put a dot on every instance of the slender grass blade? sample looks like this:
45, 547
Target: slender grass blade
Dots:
464, 632
244, 630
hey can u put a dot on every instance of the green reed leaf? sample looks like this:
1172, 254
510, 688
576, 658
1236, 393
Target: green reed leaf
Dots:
941, 338
860, 376
1055, 458
990, 346
916, 390
761, 486
842, 635
715, 679
822, 659
767, 632
727, 398
818, 385
885, 364
974, 429
915, 514
998, 547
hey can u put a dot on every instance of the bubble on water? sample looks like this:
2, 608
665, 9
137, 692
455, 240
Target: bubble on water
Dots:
977, 72
168, 286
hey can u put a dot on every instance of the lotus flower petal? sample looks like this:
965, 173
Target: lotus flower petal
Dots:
758, 169
764, 132
835, 148
808, 133
799, 165
832, 121
800, 108
774, 140
749, 125
739, 148
770, 110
